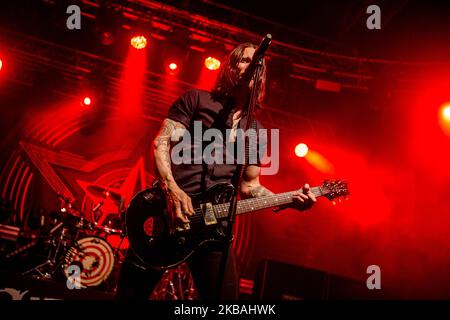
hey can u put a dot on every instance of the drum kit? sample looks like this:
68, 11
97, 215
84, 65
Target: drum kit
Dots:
74, 242
95, 247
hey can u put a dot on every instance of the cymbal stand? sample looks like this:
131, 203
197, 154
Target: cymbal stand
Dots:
46, 269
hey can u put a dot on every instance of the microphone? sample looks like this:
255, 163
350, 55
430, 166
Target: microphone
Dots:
258, 56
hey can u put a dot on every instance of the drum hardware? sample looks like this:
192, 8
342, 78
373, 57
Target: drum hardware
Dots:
56, 227
67, 225
15, 234
95, 211
111, 225
47, 269
70, 239
115, 237
98, 206
117, 249
21, 249
95, 258
104, 193
67, 207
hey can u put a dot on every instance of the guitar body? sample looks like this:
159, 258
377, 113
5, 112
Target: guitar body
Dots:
160, 245
151, 236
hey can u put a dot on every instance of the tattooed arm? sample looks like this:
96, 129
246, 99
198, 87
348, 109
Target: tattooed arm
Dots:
250, 186
178, 201
161, 149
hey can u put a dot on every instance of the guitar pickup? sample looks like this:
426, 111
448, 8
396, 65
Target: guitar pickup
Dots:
208, 214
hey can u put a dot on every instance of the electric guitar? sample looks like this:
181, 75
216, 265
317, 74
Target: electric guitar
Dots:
160, 245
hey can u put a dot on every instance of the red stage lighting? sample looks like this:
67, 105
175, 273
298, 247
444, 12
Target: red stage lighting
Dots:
301, 150
212, 63
1, 64
139, 42
445, 112
173, 66
87, 101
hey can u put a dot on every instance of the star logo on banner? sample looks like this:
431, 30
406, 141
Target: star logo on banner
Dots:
106, 199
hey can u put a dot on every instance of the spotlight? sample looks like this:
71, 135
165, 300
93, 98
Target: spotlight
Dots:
301, 150
444, 117
173, 66
212, 63
86, 101
1, 64
139, 42
446, 112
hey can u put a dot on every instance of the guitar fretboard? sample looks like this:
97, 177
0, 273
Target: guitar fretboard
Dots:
254, 204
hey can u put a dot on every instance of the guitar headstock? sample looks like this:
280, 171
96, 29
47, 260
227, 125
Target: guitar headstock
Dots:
332, 189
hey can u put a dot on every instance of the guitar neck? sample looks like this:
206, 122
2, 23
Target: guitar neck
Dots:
260, 203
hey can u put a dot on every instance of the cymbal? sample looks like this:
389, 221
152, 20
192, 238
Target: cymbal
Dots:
104, 193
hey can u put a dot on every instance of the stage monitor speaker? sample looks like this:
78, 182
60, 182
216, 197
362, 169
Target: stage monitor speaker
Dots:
282, 281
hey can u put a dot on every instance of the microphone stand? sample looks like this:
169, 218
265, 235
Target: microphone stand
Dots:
248, 112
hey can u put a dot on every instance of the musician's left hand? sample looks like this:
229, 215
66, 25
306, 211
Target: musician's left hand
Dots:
303, 200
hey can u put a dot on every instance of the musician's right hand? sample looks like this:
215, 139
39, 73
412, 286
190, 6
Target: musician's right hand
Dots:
179, 204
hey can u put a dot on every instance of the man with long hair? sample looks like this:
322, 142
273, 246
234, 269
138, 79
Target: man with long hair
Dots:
219, 109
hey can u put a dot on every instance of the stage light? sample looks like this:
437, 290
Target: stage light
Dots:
139, 42
1, 64
446, 112
87, 101
444, 118
212, 63
173, 66
301, 150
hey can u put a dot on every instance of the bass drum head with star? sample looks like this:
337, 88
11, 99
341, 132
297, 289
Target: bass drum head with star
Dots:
95, 258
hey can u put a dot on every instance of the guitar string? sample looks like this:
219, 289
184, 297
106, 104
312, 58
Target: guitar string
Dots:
249, 204
221, 207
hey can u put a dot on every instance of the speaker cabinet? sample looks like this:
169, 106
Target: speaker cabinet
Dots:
282, 281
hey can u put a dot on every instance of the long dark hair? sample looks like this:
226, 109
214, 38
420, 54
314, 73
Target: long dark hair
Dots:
228, 78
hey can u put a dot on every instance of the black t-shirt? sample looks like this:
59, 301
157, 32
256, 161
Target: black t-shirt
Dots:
203, 106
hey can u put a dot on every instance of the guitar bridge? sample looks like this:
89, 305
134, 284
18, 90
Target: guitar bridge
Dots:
208, 214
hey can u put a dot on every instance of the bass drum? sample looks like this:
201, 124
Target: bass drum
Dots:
112, 230
95, 258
